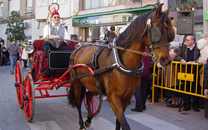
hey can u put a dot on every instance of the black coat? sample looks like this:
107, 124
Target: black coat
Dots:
206, 75
109, 36
182, 54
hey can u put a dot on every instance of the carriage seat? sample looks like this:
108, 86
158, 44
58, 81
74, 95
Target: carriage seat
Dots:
37, 44
55, 65
58, 59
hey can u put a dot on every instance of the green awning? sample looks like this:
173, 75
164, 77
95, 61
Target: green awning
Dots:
115, 12
117, 16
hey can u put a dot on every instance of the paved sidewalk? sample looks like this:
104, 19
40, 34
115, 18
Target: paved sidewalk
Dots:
191, 116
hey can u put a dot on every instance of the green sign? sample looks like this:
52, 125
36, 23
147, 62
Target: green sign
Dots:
109, 17
206, 15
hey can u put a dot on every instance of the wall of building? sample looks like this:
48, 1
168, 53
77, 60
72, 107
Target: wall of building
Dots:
40, 10
25, 14
2, 32
78, 5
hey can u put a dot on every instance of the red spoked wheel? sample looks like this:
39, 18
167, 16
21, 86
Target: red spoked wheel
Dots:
19, 83
29, 98
96, 103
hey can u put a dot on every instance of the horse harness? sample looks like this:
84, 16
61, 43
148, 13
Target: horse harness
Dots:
154, 35
94, 65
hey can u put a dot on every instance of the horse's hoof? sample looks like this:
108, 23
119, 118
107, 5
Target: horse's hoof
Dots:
87, 124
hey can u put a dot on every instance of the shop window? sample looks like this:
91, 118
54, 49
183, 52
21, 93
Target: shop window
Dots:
1, 10
90, 4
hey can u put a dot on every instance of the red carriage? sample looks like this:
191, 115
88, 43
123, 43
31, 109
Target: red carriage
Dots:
47, 74
122, 69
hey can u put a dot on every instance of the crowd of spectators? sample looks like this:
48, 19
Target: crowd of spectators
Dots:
187, 52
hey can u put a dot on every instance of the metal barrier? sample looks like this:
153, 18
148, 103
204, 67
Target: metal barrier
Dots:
182, 76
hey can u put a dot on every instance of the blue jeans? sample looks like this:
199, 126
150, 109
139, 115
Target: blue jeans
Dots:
13, 60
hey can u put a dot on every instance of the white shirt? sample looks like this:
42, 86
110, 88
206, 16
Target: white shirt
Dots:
47, 30
24, 54
192, 47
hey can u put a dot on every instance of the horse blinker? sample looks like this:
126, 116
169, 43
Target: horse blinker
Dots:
156, 34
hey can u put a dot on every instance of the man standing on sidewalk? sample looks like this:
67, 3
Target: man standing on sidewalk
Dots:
189, 53
13, 53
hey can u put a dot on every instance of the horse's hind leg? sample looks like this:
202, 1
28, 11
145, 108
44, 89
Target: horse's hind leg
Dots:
89, 96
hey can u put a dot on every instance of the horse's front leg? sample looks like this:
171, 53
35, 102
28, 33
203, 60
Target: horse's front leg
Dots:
118, 126
89, 96
78, 98
119, 108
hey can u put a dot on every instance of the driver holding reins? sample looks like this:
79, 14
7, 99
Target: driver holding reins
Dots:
54, 35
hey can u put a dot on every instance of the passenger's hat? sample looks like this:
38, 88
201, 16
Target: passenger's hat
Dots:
54, 12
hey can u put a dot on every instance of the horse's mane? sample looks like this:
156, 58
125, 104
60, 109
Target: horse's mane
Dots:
134, 32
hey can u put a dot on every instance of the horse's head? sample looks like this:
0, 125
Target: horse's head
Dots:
159, 33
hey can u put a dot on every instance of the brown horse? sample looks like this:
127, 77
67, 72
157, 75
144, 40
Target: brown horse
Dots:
120, 86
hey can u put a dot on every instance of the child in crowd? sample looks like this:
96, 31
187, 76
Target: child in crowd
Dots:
171, 82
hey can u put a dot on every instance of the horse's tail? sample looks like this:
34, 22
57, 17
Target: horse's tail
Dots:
71, 95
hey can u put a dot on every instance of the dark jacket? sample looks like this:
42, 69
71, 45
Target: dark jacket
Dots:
146, 60
109, 36
182, 54
206, 75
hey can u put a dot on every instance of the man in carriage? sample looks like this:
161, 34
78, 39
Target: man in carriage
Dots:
55, 35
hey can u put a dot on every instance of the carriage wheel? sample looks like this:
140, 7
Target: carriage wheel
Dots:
29, 98
19, 83
96, 103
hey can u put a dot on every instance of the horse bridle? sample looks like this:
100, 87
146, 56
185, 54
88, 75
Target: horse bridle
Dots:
154, 36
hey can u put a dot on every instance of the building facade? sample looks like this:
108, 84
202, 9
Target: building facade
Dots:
27, 13
86, 17
98, 13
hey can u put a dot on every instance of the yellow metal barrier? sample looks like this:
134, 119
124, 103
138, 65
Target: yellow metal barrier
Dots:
181, 76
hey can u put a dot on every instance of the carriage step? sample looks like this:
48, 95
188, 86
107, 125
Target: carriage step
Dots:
16, 84
25, 97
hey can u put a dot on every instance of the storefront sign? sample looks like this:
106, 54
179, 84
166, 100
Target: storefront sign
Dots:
206, 15
108, 17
